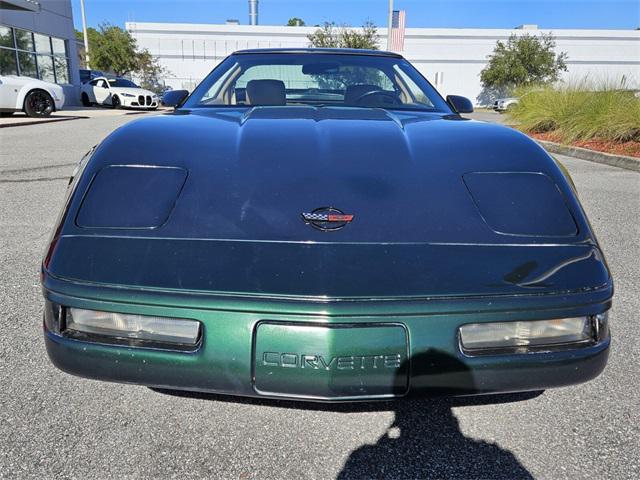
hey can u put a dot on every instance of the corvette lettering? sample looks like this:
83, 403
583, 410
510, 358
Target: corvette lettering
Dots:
320, 362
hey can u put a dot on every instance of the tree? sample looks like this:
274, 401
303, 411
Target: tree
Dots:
366, 38
115, 50
112, 49
150, 72
324, 37
93, 36
295, 22
522, 61
330, 35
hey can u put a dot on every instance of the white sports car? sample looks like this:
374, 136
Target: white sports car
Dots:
117, 92
505, 104
25, 94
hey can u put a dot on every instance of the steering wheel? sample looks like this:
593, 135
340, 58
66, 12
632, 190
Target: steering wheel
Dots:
387, 96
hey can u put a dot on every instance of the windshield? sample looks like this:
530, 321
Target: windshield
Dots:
121, 82
279, 79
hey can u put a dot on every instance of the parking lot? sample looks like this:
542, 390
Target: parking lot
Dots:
56, 425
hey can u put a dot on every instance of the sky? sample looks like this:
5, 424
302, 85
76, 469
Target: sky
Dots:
607, 14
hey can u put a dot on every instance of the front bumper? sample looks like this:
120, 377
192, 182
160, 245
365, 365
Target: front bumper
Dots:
226, 359
141, 102
59, 101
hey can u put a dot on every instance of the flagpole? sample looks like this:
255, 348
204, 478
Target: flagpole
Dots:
84, 33
390, 21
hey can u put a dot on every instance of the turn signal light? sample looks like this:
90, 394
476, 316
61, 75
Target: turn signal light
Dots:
144, 328
523, 335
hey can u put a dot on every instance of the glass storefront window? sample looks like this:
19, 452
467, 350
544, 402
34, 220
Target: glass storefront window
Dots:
62, 69
24, 40
45, 68
43, 44
19, 58
8, 62
58, 46
27, 62
6, 37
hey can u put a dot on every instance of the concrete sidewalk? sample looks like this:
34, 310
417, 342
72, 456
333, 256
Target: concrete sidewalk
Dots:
20, 118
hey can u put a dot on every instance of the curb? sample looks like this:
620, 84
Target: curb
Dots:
620, 161
39, 121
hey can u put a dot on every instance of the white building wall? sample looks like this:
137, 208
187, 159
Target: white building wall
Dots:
455, 56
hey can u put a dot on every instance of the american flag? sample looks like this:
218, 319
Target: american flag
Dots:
397, 31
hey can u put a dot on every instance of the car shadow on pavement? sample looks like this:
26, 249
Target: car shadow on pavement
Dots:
424, 441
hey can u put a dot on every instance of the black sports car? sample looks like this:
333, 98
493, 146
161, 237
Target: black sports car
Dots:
322, 224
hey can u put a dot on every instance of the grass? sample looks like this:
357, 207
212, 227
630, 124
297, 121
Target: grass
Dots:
580, 112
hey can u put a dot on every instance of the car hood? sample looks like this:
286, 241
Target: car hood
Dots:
435, 208
19, 80
406, 177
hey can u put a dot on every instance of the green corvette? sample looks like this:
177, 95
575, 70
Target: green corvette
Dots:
323, 225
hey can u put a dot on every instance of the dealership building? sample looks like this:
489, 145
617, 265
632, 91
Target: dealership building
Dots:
450, 58
37, 39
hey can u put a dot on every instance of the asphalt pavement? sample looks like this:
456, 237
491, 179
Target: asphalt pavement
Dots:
53, 425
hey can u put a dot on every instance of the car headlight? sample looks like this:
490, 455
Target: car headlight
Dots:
127, 95
126, 326
535, 334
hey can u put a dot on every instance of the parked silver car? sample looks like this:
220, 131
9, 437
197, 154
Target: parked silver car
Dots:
504, 104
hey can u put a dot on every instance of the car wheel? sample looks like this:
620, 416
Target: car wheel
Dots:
6, 114
38, 103
115, 102
85, 100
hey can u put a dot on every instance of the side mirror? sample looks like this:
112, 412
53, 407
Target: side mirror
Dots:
460, 104
174, 98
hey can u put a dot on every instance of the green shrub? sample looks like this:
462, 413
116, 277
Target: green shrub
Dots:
581, 111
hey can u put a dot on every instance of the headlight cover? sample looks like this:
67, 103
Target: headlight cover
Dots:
111, 326
526, 204
154, 190
524, 336
127, 95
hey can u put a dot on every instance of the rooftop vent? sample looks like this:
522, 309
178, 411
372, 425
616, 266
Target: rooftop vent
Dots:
253, 12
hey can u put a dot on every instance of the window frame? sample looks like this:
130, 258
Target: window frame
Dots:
36, 54
195, 99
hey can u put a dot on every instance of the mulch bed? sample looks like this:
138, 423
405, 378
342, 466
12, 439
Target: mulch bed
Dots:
629, 149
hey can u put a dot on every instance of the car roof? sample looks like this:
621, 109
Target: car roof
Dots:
110, 78
311, 51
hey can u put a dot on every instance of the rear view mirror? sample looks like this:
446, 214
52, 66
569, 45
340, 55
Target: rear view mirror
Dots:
460, 104
320, 68
174, 98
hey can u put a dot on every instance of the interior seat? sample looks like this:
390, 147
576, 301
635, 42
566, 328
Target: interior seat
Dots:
354, 92
265, 92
